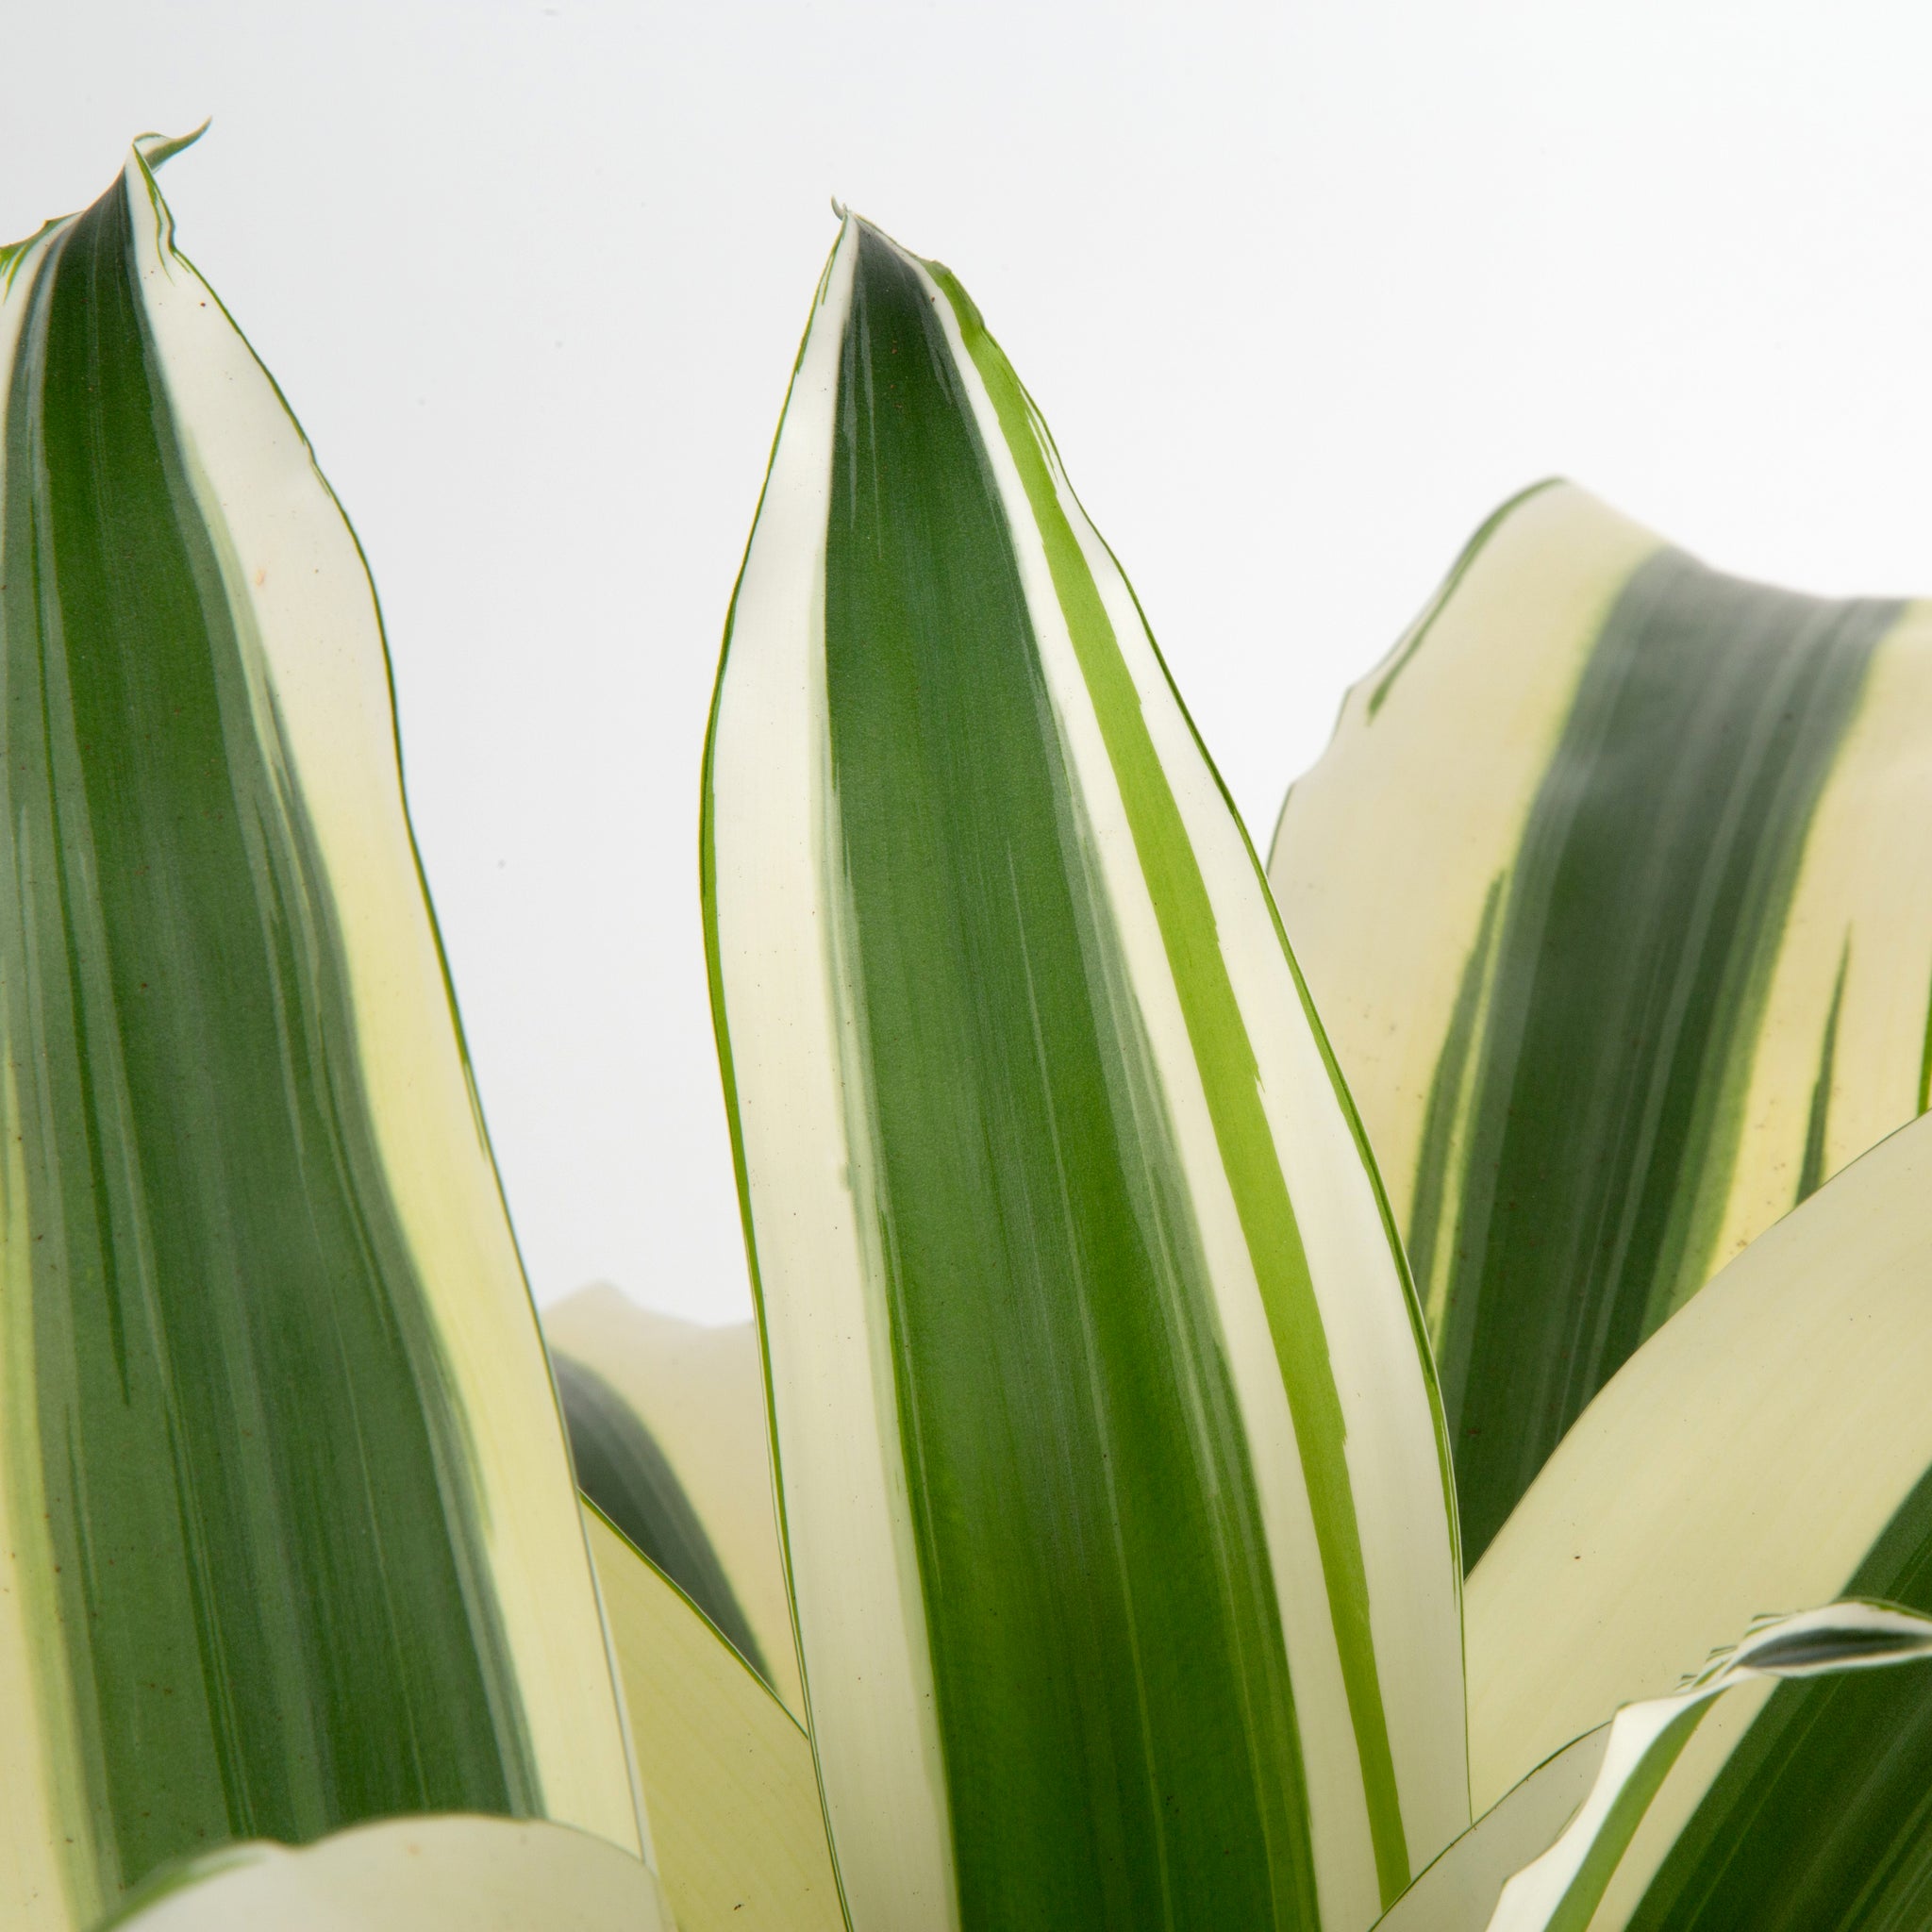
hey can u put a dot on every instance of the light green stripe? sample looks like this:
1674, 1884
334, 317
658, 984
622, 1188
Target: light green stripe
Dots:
1111, 1691
1586, 1890
1444, 1109
1229, 1076
1925, 1062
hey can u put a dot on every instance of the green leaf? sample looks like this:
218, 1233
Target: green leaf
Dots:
1767, 1447
1114, 1496
1614, 890
695, 1494
727, 1774
1564, 1890
411, 1874
290, 1538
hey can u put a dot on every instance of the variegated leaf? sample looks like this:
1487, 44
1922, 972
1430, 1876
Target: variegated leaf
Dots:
1460, 1890
1572, 1886
1614, 890
667, 1427
1113, 1490
1770, 1445
289, 1529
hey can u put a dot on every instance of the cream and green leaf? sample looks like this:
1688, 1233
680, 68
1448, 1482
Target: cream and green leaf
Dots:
447, 1873
1570, 1887
726, 1771
1614, 892
1574, 1843
1113, 1488
287, 1512
1074, 1540
1772, 1445
666, 1425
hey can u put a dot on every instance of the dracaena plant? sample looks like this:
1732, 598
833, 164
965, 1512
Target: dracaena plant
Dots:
1079, 1538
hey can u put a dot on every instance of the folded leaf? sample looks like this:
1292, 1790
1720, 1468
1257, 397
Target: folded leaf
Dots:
695, 1492
1772, 1443
1114, 1496
1564, 1891
411, 1874
1459, 1891
734, 1799
290, 1538
1614, 890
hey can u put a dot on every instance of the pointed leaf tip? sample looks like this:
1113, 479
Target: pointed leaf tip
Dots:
156, 148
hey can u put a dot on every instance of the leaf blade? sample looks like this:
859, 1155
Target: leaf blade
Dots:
1575, 892
454, 1872
1562, 1891
1796, 1373
699, 1391
1063, 946
727, 1775
267, 1575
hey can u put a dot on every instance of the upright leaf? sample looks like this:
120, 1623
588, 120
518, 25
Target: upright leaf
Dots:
290, 1540
1614, 889
1770, 1445
1114, 1496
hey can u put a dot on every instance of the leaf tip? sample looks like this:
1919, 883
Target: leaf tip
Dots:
156, 148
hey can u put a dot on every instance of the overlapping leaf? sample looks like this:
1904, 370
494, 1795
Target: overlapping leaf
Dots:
441, 1873
736, 1824
667, 1426
1113, 1490
1570, 1888
285, 1507
1614, 890
1770, 1445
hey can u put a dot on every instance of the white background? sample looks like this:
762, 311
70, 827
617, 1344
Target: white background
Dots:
1303, 289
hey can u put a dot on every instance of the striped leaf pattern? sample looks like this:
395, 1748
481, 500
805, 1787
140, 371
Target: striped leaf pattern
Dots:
288, 1520
1770, 1445
1114, 1495
1614, 890
1567, 1888
667, 1427
622, 1470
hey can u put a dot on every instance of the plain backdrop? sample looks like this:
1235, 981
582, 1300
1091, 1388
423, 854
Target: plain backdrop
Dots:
1305, 289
